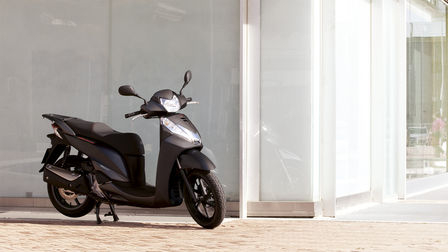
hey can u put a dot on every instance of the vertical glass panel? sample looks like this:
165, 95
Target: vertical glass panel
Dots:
427, 94
69, 57
352, 68
285, 100
153, 43
53, 59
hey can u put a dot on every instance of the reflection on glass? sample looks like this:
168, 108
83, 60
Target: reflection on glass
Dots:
427, 94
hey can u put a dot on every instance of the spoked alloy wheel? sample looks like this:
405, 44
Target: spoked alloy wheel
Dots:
68, 202
205, 203
209, 208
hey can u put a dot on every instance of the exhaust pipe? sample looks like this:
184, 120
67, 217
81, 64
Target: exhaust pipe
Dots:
65, 179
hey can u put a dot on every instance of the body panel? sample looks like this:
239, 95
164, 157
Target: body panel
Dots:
103, 155
60, 121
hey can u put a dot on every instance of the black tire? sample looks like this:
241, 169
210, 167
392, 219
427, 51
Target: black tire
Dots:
82, 204
210, 208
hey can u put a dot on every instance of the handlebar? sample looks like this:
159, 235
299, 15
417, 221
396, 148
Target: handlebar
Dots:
133, 114
147, 108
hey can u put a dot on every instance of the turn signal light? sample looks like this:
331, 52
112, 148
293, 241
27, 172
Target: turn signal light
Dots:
55, 128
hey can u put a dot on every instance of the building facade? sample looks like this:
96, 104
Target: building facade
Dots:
306, 107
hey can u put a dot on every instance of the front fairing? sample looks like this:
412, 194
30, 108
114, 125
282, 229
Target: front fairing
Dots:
154, 107
176, 139
169, 94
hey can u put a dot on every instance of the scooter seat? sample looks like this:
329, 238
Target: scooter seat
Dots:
125, 143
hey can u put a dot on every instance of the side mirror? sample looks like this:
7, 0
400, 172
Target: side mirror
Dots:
187, 79
127, 90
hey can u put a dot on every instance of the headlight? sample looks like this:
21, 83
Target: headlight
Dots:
171, 105
181, 131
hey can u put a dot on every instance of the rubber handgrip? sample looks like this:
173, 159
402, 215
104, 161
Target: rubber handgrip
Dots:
132, 114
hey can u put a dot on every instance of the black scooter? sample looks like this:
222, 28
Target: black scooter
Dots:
109, 166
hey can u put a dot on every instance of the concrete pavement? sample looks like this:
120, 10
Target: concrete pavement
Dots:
46, 230
428, 206
418, 224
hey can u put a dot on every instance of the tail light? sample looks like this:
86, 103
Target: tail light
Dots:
55, 128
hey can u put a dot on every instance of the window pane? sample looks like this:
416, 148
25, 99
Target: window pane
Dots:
285, 100
70, 57
153, 44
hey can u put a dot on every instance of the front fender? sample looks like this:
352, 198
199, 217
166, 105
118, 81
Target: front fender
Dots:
194, 159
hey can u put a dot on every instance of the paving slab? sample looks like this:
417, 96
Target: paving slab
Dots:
233, 235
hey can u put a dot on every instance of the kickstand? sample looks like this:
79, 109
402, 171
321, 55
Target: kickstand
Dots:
112, 212
97, 212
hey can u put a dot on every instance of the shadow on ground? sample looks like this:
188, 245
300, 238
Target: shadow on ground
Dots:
177, 226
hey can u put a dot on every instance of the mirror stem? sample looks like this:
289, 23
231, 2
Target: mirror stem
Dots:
141, 98
180, 92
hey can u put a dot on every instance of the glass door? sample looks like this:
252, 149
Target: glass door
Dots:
427, 94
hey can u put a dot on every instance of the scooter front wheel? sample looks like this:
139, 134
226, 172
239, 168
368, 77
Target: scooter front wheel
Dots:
209, 208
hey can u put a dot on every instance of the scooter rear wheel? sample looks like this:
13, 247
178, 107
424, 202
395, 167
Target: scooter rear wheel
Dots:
65, 201
209, 208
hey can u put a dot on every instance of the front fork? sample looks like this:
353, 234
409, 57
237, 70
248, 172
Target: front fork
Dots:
185, 179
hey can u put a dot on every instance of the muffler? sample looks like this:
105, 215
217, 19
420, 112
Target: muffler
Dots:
65, 179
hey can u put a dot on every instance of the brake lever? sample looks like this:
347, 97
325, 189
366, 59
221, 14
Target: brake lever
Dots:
137, 116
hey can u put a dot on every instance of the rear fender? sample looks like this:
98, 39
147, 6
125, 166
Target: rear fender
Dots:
51, 154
